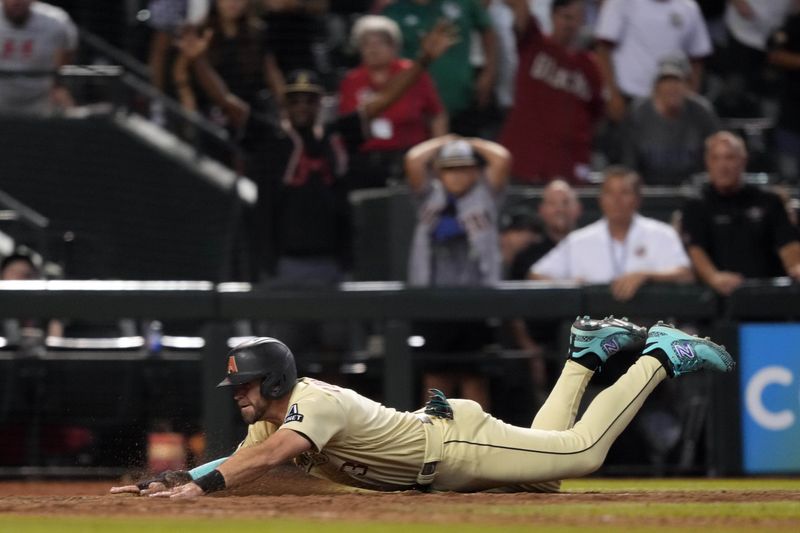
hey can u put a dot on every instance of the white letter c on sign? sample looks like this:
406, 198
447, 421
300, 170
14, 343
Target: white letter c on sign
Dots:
772, 420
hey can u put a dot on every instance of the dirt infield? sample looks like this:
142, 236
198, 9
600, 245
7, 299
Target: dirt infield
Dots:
313, 500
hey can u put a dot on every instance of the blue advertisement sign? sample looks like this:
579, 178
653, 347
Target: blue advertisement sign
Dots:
769, 369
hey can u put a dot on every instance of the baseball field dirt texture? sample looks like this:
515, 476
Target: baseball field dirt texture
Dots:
290, 502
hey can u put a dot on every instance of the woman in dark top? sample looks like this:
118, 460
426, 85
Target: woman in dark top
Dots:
238, 53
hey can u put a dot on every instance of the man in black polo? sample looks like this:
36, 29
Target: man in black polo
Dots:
736, 231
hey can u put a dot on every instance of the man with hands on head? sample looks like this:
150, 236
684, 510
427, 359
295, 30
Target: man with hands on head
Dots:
457, 185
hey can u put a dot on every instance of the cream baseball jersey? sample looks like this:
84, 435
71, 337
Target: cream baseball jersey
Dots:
356, 441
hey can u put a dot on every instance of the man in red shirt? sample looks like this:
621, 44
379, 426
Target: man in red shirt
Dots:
414, 118
558, 98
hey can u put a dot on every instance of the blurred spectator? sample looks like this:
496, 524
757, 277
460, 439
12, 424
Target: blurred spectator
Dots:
734, 230
542, 10
503, 23
299, 165
300, 175
784, 53
634, 35
792, 205
37, 38
27, 334
167, 17
559, 210
749, 23
462, 92
456, 243
519, 229
303, 206
558, 98
296, 31
235, 47
623, 248
664, 134
415, 117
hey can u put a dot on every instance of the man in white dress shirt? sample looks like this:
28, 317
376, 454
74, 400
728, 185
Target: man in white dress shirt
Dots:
623, 248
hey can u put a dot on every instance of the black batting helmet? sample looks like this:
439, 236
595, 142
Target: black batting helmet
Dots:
262, 357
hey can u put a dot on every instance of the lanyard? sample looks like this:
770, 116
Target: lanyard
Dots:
618, 255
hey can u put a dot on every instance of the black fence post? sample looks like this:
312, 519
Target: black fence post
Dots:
398, 377
723, 426
219, 416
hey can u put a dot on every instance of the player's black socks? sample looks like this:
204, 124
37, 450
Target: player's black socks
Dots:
661, 355
589, 360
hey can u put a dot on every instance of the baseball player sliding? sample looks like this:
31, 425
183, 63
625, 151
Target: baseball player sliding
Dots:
449, 445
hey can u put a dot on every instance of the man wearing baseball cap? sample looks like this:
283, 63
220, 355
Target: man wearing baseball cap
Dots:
664, 133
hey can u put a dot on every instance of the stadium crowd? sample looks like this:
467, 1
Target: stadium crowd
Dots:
325, 97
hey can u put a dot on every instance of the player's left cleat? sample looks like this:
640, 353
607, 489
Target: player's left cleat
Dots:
684, 352
592, 342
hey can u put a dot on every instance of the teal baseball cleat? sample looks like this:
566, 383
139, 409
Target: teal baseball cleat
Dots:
686, 353
592, 342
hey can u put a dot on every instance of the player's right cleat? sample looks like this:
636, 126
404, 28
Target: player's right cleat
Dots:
592, 342
685, 353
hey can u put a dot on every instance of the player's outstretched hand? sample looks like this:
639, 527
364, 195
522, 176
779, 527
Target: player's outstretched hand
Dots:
164, 481
190, 490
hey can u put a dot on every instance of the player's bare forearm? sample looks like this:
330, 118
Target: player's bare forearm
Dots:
248, 464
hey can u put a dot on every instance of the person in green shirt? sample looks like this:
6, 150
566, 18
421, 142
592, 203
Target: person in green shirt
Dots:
459, 87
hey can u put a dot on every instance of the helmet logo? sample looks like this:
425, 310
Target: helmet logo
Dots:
232, 369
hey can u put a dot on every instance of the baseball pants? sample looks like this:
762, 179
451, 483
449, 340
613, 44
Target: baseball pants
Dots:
481, 452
